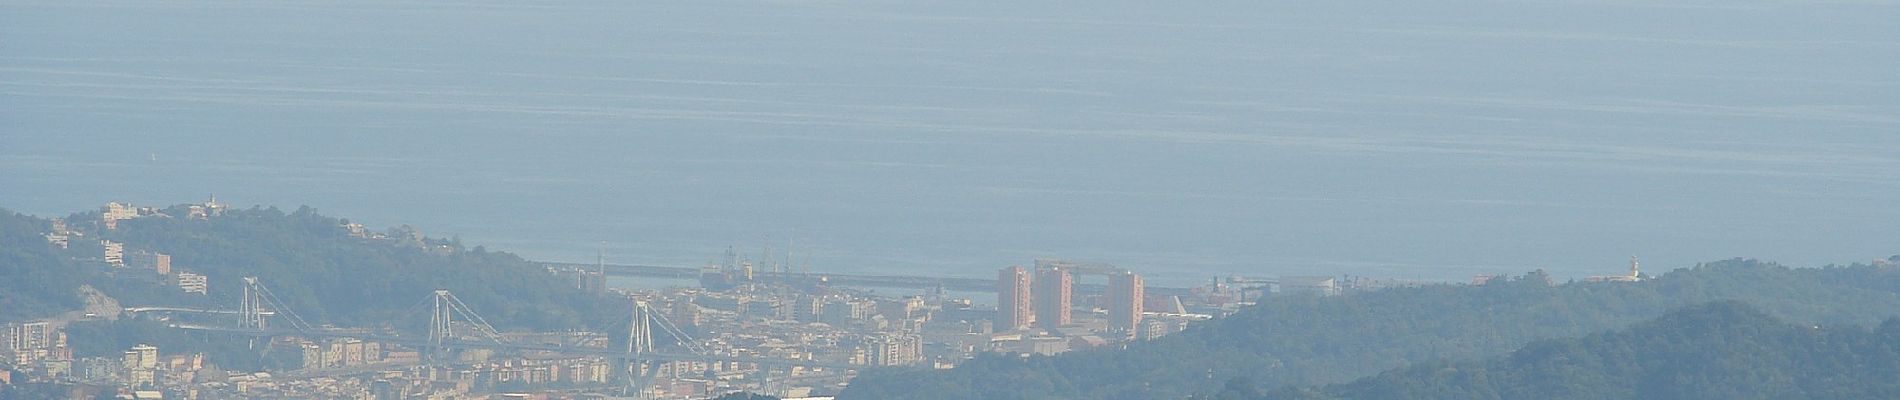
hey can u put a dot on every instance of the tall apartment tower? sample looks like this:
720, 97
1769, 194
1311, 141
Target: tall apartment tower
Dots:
1012, 299
1124, 302
1052, 296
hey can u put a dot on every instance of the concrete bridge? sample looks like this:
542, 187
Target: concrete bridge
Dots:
499, 345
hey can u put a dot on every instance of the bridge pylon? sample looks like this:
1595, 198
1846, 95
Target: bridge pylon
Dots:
259, 304
640, 371
443, 318
640, 329
250, 308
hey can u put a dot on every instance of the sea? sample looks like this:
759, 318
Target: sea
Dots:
1183, 140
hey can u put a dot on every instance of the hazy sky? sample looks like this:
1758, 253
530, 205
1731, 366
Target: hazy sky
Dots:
1432, 140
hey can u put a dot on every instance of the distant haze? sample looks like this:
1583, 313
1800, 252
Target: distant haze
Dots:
1408, 139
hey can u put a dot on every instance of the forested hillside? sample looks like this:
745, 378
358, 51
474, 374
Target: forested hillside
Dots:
1314, 341
309, 260
1718, 351
35, 281
328, 276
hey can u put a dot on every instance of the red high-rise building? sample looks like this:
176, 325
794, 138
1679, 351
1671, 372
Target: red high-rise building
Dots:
1012, 299
1124, 302
1053, 285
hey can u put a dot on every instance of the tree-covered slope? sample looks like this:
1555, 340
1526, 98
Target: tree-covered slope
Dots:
307, 259
1313, 341
1724, 350
35, 280
327, 276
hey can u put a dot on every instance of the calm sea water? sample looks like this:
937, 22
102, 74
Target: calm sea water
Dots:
1432, 140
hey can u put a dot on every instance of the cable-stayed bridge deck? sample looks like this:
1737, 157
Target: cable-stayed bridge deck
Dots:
486, 344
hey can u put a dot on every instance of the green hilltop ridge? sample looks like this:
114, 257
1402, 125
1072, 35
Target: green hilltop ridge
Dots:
1307, 341
311, 261
1723, 350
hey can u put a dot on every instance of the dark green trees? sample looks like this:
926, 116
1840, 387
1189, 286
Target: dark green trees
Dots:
1315, 341
1722, 350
